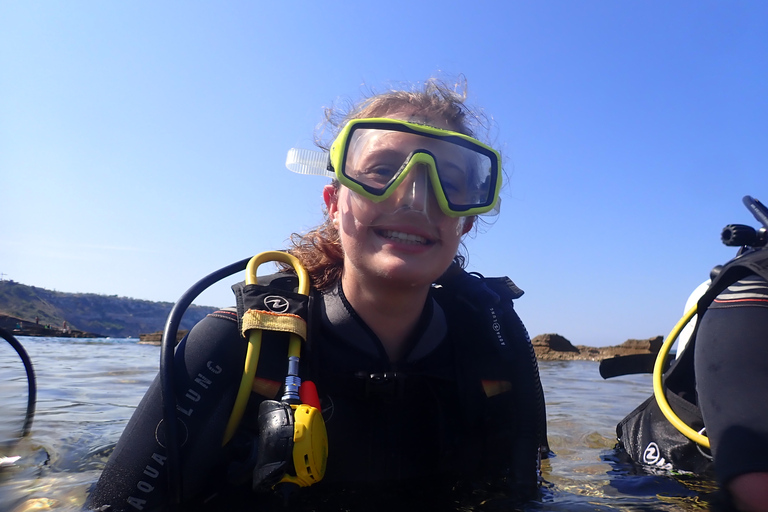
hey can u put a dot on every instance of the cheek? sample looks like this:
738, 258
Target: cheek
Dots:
348, 226
454, 227
356, 211
347, 222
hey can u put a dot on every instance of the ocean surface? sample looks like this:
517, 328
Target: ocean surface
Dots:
88, 389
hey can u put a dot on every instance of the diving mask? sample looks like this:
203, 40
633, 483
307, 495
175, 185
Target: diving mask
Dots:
372, 157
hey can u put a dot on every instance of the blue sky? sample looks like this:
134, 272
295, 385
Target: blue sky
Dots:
142, 144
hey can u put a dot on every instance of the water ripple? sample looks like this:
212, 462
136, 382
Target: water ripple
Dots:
88, 390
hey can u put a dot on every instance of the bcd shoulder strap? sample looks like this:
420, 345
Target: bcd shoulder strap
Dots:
485, 304
751, 262
495, 345
274, 294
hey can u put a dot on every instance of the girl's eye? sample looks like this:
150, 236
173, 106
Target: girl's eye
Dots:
451, 188
454, 184
379, 173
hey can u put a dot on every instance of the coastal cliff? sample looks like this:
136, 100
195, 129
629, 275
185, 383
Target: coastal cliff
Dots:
554, 347
33, 311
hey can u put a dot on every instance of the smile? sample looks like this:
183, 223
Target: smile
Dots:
407, 238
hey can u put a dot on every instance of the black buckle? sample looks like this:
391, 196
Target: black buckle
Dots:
383, 384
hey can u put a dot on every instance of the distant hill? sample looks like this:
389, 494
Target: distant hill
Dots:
104, 315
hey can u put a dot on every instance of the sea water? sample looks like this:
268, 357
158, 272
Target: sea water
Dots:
88, 389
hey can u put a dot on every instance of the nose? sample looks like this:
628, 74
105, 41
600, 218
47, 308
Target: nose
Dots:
413, 192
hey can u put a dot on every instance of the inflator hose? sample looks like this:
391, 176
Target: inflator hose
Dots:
31, 382
658, 386
167, 376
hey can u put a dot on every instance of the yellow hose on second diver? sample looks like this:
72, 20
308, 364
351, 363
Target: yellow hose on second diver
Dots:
658, 387
254, 337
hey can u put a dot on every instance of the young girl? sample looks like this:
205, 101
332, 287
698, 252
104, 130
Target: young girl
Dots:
425, 375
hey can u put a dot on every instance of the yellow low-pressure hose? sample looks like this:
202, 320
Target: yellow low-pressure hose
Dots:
254, 337
658, 387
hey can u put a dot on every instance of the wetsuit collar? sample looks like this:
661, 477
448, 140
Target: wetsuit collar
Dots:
344, 321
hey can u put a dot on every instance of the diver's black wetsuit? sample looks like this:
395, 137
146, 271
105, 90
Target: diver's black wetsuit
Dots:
458, 406
731, 364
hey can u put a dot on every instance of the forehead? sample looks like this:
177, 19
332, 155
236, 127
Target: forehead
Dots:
370, 142
412, 114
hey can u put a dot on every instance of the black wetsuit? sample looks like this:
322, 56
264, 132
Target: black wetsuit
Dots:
458, 406
731, 365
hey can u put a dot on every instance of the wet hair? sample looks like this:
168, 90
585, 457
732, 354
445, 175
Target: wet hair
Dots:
319, 250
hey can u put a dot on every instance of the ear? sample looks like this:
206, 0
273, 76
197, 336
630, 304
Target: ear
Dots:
331, 198
468, 223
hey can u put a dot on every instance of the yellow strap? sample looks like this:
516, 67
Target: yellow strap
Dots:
267, 320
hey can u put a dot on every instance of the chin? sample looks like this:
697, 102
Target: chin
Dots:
411, 277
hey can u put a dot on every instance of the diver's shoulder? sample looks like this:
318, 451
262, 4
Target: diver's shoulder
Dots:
750, 291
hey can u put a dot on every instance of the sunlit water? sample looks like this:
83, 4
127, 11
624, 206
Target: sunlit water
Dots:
87, 390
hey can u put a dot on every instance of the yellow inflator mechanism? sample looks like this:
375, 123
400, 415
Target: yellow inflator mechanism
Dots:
658, 385
293, 443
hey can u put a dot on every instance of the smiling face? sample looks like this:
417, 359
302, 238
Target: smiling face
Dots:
405, 240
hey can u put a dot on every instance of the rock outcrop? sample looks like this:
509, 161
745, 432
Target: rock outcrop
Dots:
156, 338
554, 347
20, 327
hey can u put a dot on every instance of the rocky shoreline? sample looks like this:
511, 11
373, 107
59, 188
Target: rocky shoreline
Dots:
548, 347
553, 347
155, 338
21, 327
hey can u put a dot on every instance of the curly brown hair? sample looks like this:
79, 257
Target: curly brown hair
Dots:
319, 250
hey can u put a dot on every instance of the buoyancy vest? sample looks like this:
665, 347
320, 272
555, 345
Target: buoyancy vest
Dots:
645, 434
467, 399
468, 402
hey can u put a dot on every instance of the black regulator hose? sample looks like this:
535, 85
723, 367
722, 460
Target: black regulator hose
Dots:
167, 377
31, 382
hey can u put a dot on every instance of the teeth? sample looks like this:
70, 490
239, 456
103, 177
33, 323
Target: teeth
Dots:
404, 237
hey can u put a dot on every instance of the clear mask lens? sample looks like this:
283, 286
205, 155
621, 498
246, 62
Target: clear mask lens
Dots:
413, 194
380, 160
